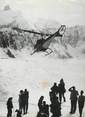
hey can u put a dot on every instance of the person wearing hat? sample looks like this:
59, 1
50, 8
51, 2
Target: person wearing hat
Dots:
73, 98
9, 107
81, 101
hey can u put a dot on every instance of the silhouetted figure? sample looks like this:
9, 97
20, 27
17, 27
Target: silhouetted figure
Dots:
55, 107
52, 95
40, 103
45, 109
21, 101
26, 97
40, 106
62, 90
9, 107
81, 101
18, 113
73, 98
54, 88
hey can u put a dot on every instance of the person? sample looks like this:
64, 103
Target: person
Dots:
9, 107
21, 100
45, 109
81, 101
40, 103
55, 89
40, 106
55, 107
18, 113
62, 90
26, 97
52, 95
73, 98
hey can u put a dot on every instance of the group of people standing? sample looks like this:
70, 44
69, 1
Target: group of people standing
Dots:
75, 97
58, 90
57, 96
23, 104
43, 108
23, 101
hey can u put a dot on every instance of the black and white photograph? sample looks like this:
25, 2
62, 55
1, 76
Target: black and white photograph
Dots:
42, 58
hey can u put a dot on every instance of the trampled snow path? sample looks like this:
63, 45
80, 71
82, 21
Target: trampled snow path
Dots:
37, 73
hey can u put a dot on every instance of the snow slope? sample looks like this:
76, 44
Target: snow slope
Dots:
37, 73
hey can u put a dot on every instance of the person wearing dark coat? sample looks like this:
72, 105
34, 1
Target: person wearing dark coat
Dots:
40, 103
21, 101
26, 97
9, 107
54, 88
40, 106
45, 109
18, 113
62, 90
55, 107
73, 98
81, 101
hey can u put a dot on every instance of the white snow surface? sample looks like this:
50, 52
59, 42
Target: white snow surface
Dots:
37, 73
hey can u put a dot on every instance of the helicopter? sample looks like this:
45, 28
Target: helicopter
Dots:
43, 44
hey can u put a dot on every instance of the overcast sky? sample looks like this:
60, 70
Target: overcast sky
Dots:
69, 12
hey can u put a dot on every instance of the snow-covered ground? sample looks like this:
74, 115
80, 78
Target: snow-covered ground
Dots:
37, 73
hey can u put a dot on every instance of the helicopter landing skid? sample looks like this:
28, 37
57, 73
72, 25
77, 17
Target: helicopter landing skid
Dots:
48, 53
33, 52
